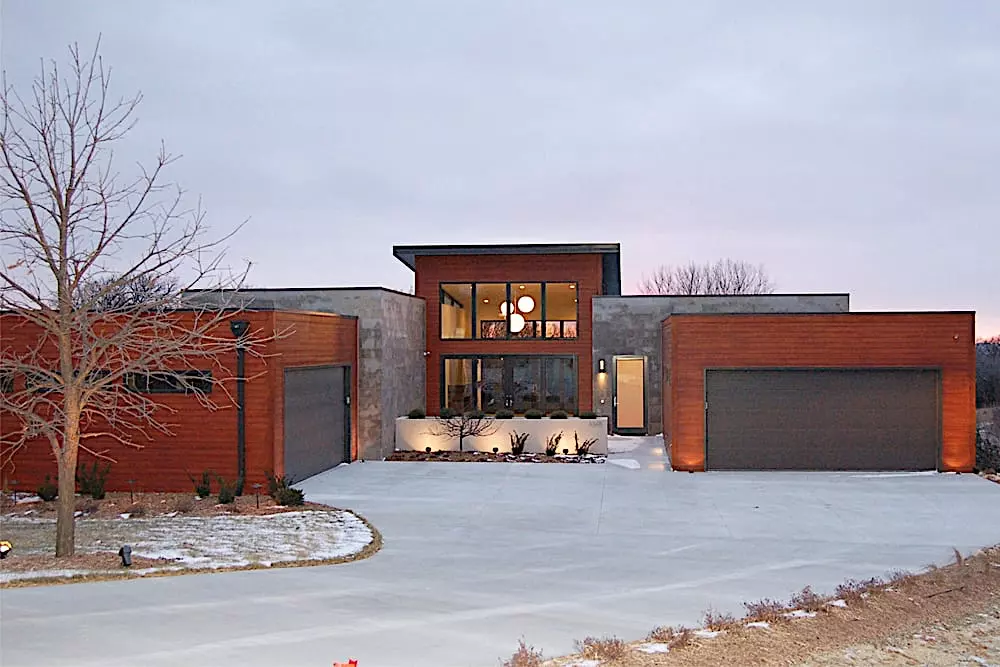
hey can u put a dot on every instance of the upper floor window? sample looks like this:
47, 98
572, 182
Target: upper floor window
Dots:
490, 311
171, 382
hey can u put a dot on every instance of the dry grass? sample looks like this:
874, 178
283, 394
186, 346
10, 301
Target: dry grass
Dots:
672, 636
854, 590
714, 620
808, 600
524, 656
607, 648
766, 610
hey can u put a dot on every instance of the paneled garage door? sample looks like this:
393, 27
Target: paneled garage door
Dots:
822, 419
316, 419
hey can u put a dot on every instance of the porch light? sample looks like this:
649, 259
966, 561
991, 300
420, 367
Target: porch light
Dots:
516, 323
526, 304
601, 367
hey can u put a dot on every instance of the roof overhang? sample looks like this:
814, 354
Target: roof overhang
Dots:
407, 254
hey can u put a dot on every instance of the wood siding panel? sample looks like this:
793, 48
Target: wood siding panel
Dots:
944, 341
585, 270
201, 438
319, 339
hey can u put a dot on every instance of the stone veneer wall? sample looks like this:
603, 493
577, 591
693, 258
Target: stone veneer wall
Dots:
391, 344
632, 325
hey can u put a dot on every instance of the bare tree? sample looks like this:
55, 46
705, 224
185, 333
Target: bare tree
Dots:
142, 289
466, 425
725, 276
988, 372
76, 235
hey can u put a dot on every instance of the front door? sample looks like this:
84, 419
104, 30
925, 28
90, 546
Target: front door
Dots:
630, 395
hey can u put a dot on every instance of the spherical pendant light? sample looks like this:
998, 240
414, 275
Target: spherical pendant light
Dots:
526, 304
516, 323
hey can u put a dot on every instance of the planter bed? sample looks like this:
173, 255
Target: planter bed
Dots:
490, 457
418, 434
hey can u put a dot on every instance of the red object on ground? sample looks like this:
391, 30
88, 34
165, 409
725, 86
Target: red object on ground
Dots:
350, 663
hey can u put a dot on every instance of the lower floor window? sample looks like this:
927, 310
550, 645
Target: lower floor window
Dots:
511, 382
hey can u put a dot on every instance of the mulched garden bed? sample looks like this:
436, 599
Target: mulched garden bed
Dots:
490, 457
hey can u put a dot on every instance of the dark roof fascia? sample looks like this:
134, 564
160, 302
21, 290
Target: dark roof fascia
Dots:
717, 296
853, 313
407, 253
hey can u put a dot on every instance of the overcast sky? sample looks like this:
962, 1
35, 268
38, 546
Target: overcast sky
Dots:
848, 146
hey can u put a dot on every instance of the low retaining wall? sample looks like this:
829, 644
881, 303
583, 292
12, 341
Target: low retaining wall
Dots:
417, 435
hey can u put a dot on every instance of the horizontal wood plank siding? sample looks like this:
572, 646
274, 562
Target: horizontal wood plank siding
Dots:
584, 269
851, 340
319, 339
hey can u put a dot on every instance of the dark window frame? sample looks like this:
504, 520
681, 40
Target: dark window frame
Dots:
170, 382
474, 329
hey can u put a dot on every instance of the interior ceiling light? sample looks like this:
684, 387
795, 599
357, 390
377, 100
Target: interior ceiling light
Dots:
572, 286
516, 323
526, 304
486, 300
520, 286
504, 307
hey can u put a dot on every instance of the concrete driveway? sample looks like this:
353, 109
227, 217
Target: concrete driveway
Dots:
478, 555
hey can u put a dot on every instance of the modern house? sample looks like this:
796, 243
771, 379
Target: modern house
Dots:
778, 381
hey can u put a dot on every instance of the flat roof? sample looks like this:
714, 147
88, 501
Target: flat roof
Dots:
407, 254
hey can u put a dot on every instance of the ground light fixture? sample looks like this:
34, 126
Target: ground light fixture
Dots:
256, 493
5, 548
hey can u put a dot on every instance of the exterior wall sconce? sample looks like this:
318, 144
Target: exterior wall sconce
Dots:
601, 366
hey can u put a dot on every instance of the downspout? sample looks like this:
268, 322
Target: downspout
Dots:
240, 329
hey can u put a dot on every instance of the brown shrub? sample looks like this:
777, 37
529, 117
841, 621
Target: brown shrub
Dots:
184, 505
808, 600
852, 590
608, 648
682, 637
768, 610
524, 656
714, 620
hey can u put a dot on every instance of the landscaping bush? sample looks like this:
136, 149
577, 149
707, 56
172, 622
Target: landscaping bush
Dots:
853, 590
588, 414
552, 444
808, 600
475, 414
290, 497
48, 490
517, 442
274, 484
447, 413
609, 648
505, 414
227, 492
583, 448
183, 505
417, 413
533, 414
558, 414
202, 486
92, 479
674, 637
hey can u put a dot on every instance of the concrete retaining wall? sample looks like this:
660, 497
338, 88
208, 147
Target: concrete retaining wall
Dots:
418, 434
631, 325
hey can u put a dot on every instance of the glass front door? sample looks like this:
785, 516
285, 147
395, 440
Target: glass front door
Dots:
630, 395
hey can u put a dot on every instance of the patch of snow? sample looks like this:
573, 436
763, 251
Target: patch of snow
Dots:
653, 648
978, 661
763, 625
27, 499
125, 515
925, 638
707, 634
838, 603
800, 613
630, 464
171, 514
585, 663
78, 513
620, 444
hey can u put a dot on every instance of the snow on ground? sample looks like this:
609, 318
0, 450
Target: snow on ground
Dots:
653, 648
619, 444
631, 464
218, 541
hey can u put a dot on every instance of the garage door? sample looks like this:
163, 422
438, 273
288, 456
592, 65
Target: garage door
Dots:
822, 419
316, 419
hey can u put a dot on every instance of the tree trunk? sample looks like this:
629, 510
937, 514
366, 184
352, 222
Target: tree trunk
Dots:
66, 506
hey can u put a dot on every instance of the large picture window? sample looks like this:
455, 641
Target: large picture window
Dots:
510, 382
514, 310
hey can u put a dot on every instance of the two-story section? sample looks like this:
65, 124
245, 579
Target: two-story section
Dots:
509, 326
